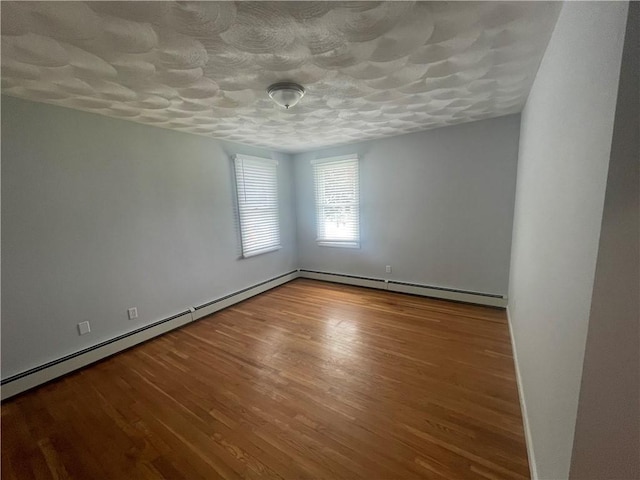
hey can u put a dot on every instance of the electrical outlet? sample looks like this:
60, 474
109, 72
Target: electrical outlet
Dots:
388, 269
84, 328
133, 313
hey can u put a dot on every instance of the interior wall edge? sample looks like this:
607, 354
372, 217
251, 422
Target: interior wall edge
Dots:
565, 146
607, 430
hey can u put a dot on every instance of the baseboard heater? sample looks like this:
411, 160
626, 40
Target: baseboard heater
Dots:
44, 373
479, 298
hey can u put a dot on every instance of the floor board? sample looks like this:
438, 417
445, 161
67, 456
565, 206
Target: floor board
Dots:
309, 380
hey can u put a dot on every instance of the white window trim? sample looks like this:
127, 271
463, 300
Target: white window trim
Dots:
345, 244
337, 243
239, 158
340, 158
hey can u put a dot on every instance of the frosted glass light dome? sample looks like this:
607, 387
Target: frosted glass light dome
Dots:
286, 94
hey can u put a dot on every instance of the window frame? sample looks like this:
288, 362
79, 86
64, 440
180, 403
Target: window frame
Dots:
241, 205
334, 242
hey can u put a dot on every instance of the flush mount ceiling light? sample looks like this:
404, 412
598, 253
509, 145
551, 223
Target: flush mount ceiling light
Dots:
286, 94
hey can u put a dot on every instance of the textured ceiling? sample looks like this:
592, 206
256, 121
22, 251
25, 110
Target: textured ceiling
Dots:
371, 69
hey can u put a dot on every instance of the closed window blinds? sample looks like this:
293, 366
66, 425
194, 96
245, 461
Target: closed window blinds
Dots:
337, 201
257, 189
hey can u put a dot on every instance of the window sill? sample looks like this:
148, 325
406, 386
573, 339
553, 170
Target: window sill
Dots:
260, 252
328, 243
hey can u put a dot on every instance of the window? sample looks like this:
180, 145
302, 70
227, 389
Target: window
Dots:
257, 189
337, 201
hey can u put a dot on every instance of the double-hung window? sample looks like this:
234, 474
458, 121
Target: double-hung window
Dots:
257, 190
337, 192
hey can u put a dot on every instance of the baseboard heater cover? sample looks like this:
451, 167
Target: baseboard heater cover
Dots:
356, 280
44, 373
489, 299
228, 300
38, 375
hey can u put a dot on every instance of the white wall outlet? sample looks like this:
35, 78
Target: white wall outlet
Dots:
132, 312
84, 328
387, 269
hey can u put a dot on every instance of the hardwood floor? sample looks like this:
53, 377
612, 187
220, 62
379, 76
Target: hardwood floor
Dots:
309, 380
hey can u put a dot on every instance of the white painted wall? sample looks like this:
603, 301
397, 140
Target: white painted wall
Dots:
607, 434
437, 206
99, 215
565, 144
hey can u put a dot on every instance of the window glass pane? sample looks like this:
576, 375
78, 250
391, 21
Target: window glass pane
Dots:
337, 201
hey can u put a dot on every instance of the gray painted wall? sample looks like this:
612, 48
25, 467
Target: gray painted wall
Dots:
99, 215
437, 206
607, 435
565, 145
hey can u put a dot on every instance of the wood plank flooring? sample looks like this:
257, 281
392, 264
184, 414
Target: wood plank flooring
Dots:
310, 380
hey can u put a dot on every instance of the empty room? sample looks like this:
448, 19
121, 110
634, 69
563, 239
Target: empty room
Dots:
320, 240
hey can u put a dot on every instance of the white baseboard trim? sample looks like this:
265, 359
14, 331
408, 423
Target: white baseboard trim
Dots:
49, 371
523, 406
411, 288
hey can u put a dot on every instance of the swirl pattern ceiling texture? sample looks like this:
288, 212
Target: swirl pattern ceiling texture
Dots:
371, 69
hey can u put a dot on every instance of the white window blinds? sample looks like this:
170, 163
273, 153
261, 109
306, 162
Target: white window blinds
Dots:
337, 201
257, 189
